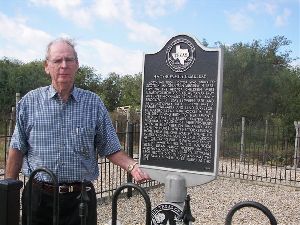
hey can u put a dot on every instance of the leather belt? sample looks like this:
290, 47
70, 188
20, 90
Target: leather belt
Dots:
62, 188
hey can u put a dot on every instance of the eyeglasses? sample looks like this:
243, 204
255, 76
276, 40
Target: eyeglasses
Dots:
68, 60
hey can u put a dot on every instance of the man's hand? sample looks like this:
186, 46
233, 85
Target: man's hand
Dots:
121, 159
139, 175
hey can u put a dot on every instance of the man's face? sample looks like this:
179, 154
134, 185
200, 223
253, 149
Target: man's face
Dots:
61, 64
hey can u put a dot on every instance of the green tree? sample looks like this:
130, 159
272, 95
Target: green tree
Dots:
131, 87
18, 77
8, 69
87, 78
250, 71
258, 82
288, 96
110, 91
30, 76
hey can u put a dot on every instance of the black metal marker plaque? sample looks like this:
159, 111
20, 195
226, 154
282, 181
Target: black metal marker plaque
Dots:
182, 87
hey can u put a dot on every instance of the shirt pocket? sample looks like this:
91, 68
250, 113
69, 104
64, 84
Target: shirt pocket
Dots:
84, 141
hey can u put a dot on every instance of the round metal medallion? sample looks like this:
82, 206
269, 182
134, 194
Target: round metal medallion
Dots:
166, 214
180, 55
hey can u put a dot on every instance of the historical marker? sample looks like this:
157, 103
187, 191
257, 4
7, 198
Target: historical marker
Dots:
182, 90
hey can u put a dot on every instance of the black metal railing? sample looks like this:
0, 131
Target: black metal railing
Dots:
267, 154
260, 153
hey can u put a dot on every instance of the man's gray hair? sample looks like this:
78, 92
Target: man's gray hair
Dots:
68, 41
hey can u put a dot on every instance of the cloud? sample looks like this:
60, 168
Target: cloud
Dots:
282, 20
69, 9
57, 3
21, 41
143, 32
114, 11
162, 7
110, 10
270, 9
121, 11
239, 21
107, 58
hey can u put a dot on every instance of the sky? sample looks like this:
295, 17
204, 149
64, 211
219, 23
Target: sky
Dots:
114, 35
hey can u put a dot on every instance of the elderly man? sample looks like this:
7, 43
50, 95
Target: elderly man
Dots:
63, 128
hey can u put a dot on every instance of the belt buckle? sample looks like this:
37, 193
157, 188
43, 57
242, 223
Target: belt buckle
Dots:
69, 189
88, 188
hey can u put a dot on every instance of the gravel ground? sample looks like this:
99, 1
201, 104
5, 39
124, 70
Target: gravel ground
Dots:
211, 202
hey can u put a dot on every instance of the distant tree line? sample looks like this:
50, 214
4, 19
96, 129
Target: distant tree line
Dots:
259, 82
19, 77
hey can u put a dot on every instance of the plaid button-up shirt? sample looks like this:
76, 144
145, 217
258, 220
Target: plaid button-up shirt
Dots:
63, 137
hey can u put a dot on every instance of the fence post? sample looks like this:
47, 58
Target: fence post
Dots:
116, 126
127, 127
11, 126
297, 144
130, 153
17, 98
222, 118
242, 155
265, 142
12, 121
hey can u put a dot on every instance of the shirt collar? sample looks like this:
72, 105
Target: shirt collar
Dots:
52, 93
75, 94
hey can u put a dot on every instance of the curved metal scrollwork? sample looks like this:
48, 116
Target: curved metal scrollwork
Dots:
143, 193
55, 195
253, 204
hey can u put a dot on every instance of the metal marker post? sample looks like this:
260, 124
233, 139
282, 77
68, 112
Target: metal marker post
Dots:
175, 189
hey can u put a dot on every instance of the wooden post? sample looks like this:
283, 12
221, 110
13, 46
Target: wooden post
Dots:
11, 126
222, 122
12, 121
116, 126
17, 98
